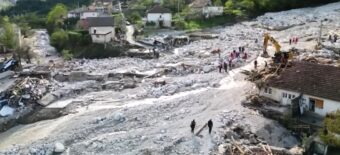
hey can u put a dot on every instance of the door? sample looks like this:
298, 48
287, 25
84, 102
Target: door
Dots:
311, 104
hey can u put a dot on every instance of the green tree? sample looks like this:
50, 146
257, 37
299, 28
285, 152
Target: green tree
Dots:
218, 3
179, 21
233, 8
174, 5
141, 4
56, 17
59, 39
119, 21
229, 5
8, 38
135, 17
248, 5
331, 131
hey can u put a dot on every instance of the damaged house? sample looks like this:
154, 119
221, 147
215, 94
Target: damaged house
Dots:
314, 87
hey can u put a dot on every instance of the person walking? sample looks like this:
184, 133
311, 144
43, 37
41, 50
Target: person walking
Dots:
255, 64
335, 38
225, 65
210, 125
245, 56
220, 66
192, 125
290, 41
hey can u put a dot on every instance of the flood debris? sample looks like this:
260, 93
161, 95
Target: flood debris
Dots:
6, 111
7, 65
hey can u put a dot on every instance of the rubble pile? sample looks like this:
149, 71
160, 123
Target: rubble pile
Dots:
26, 91
107, 65
323, 56
238, 138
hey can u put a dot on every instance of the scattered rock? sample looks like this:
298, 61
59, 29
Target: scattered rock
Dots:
119, 117
59, 147
47, 99
6, 111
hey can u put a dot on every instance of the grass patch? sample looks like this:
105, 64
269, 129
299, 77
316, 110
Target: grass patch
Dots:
198, 24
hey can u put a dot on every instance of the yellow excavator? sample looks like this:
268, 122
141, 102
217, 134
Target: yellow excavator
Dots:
279, 56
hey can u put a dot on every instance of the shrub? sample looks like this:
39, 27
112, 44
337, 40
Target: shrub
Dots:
59, 39
67, 55
330, 133
150, 23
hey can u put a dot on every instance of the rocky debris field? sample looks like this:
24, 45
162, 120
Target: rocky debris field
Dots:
138, 106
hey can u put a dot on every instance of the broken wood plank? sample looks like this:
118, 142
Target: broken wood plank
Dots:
199, 131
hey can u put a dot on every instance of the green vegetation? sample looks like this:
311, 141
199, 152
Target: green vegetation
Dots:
8, 37
67, 55
32, 13
187, 18
40, 7
55, 18
331, 132
196, 24
59, 39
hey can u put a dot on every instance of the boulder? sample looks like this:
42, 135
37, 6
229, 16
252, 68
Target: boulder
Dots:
119, 117
207, 69
6, 111
47, 99
59, 147
78, 76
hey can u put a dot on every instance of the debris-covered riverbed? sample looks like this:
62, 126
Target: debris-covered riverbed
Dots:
137, 106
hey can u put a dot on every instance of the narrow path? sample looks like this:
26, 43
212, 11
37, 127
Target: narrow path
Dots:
129, 36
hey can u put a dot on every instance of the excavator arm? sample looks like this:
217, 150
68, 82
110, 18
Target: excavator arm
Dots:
267, 38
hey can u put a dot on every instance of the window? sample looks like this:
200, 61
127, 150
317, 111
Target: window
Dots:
284, 95
268, 90
293, 96
319, 104
289, 96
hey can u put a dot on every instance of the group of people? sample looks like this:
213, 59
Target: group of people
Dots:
193, 125
293, 40
333, 39
227, 62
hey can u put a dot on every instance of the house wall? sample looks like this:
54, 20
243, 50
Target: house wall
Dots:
73, 15
102, 38
328, 105
155, 17
278, 95
212, 11
85, 15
